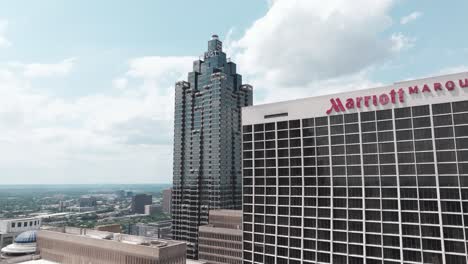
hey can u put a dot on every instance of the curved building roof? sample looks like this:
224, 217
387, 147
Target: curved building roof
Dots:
25, 244
26, 237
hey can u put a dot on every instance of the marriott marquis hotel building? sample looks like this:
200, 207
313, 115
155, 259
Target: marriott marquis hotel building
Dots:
370, 176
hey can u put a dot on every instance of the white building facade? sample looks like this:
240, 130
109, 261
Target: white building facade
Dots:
369, 176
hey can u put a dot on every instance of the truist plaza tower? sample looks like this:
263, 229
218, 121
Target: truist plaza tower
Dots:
207, 143
377, 176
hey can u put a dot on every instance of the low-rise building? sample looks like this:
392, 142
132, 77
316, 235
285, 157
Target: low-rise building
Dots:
10, 228
221, 240
74, 245
24, 245
161, 229
87, 201
151, 209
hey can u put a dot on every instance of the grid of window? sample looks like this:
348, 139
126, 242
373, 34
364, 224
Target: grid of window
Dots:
387, 186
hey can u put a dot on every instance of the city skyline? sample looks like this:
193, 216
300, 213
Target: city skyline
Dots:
86, 91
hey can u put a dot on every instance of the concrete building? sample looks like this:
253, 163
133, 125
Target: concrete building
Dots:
120, 194
220, 242
167, 200
10, 228
207, 141
161, 229
87, 202
139, 201
369, 176
152, 209
24, 245
74, 245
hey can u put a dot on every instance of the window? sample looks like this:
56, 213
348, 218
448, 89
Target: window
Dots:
384, 114
441, 108
402, 112
420, 110
460, 106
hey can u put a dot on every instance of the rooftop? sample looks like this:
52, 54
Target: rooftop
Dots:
220, 230
226, 212
19, 219
39, 261
115, 237
26, 237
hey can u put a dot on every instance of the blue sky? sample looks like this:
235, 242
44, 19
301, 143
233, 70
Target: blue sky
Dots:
86, 86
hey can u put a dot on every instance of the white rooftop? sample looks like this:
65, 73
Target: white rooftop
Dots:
39, 261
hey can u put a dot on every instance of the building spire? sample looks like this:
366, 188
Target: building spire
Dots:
215, 44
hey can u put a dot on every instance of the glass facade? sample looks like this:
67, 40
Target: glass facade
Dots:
386, 186
207, 143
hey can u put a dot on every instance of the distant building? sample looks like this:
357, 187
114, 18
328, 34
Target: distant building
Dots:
139, 201
87, 201
129, 194
11, 228
221, 240
152, 209
61, 206
161, 229
167, 200
120, 194
114, 228
85, 209
74, 245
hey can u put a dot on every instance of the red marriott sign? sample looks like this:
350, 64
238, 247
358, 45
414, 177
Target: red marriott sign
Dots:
394, 96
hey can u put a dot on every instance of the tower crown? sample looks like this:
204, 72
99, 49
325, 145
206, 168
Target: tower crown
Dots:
215, 44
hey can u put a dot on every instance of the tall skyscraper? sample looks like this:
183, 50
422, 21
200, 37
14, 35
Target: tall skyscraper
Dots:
207, 143
373, 176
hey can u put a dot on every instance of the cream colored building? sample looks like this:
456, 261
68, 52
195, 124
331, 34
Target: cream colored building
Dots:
220, 242
76, 246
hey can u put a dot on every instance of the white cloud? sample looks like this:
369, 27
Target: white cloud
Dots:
401, 42
120, 83
300, 42
270, 93
121, 137
49, 69
4, 42
305, 48
410, 18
